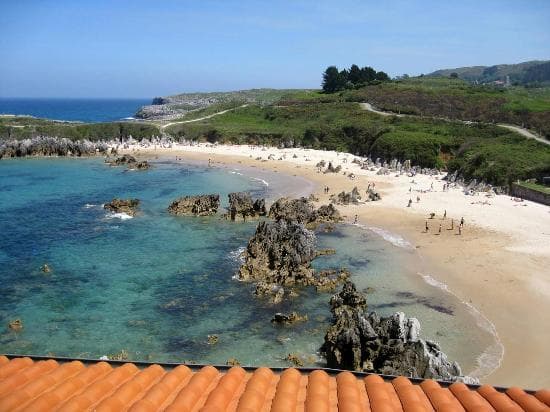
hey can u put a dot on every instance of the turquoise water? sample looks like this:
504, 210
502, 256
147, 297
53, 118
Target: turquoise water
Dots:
83, 110
156, 285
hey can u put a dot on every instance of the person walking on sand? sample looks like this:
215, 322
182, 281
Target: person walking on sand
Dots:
410, 202
417, 199
452, 224
445, 214
440, 228
355, 220
462, 221
427, 228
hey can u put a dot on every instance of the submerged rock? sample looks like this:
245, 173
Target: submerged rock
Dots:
387, 345
127, 206
274, 292
16, 325
45, 268
241, 206
280, 252
131, 162
293, 317
199, 205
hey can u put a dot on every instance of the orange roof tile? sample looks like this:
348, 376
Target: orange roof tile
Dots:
47, 385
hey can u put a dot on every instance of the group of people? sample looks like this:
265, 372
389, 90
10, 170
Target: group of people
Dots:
460, 226
326, 189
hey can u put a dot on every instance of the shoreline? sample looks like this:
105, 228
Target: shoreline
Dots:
497, 266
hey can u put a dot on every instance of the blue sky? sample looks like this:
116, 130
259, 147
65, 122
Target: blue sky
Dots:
62, 48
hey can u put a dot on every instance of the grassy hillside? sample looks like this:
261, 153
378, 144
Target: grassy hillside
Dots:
484, 152
457, 99
521, 73
22, 127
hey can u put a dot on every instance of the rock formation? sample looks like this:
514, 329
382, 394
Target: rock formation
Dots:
274, 292
198, 205
280, 252
345, 198
241, 206
131, 162
50, 146
15, 325
331, 169
391, 345
127, 206
302, 211
293, 317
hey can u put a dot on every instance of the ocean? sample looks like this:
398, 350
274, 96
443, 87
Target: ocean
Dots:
155, 286
81, 110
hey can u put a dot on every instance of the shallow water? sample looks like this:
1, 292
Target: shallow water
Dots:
157, 285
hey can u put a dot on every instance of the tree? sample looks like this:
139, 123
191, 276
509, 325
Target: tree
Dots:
354, 75
331, 79
383, 77
454, 75
368, 74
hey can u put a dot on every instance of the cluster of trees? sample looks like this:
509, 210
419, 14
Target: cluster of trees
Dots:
335, 80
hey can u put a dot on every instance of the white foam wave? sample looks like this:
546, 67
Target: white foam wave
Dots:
393, 238
260, 180
234, 172
491, 358
89, 206
237, 255
121, 216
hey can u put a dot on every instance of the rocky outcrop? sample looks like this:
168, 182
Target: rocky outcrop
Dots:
280, 252
303, 211
199, 205
50, 146
291, 318
346, 198
127, 206
331, 169
387, 345
241, 206
275, 293
373, 196
131, 162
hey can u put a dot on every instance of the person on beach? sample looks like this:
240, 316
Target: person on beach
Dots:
355, 220
445, 214
427, 228
462, 222
417, 199
440, 228
410, 203
452, 224
460, 230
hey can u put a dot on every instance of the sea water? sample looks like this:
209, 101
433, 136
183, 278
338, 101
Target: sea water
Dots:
82, 110
156, 285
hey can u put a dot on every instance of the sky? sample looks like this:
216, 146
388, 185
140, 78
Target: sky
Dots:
135, 48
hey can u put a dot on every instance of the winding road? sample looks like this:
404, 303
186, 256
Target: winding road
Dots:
164, 126
517, 129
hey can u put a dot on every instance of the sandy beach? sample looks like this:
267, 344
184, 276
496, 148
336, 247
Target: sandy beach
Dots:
499, 265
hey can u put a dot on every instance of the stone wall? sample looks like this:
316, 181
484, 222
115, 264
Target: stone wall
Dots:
530, 194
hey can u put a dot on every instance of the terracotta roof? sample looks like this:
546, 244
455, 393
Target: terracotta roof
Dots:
45, 385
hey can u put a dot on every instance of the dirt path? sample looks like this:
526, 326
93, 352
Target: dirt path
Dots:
517, 129
164, 126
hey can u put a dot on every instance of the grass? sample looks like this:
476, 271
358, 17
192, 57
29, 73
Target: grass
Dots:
480, 151
536, 186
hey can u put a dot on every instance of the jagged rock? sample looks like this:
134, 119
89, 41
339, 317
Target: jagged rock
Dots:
320, 164
275, 292
389, 345
373, 196
289, 319
298, 210
331, 169
212, 339
232, 362
324, 252
327, 280
45, 268
294, 359
242, 206
280, 252
345, 198
302, 211
143, 165
198, 205
50, 146
127, 206
16, 325
123, 160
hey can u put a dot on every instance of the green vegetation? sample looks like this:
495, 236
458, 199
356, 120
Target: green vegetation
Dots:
532, 73
484, 152
457, 99
334, 80
536, 186
21, 127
